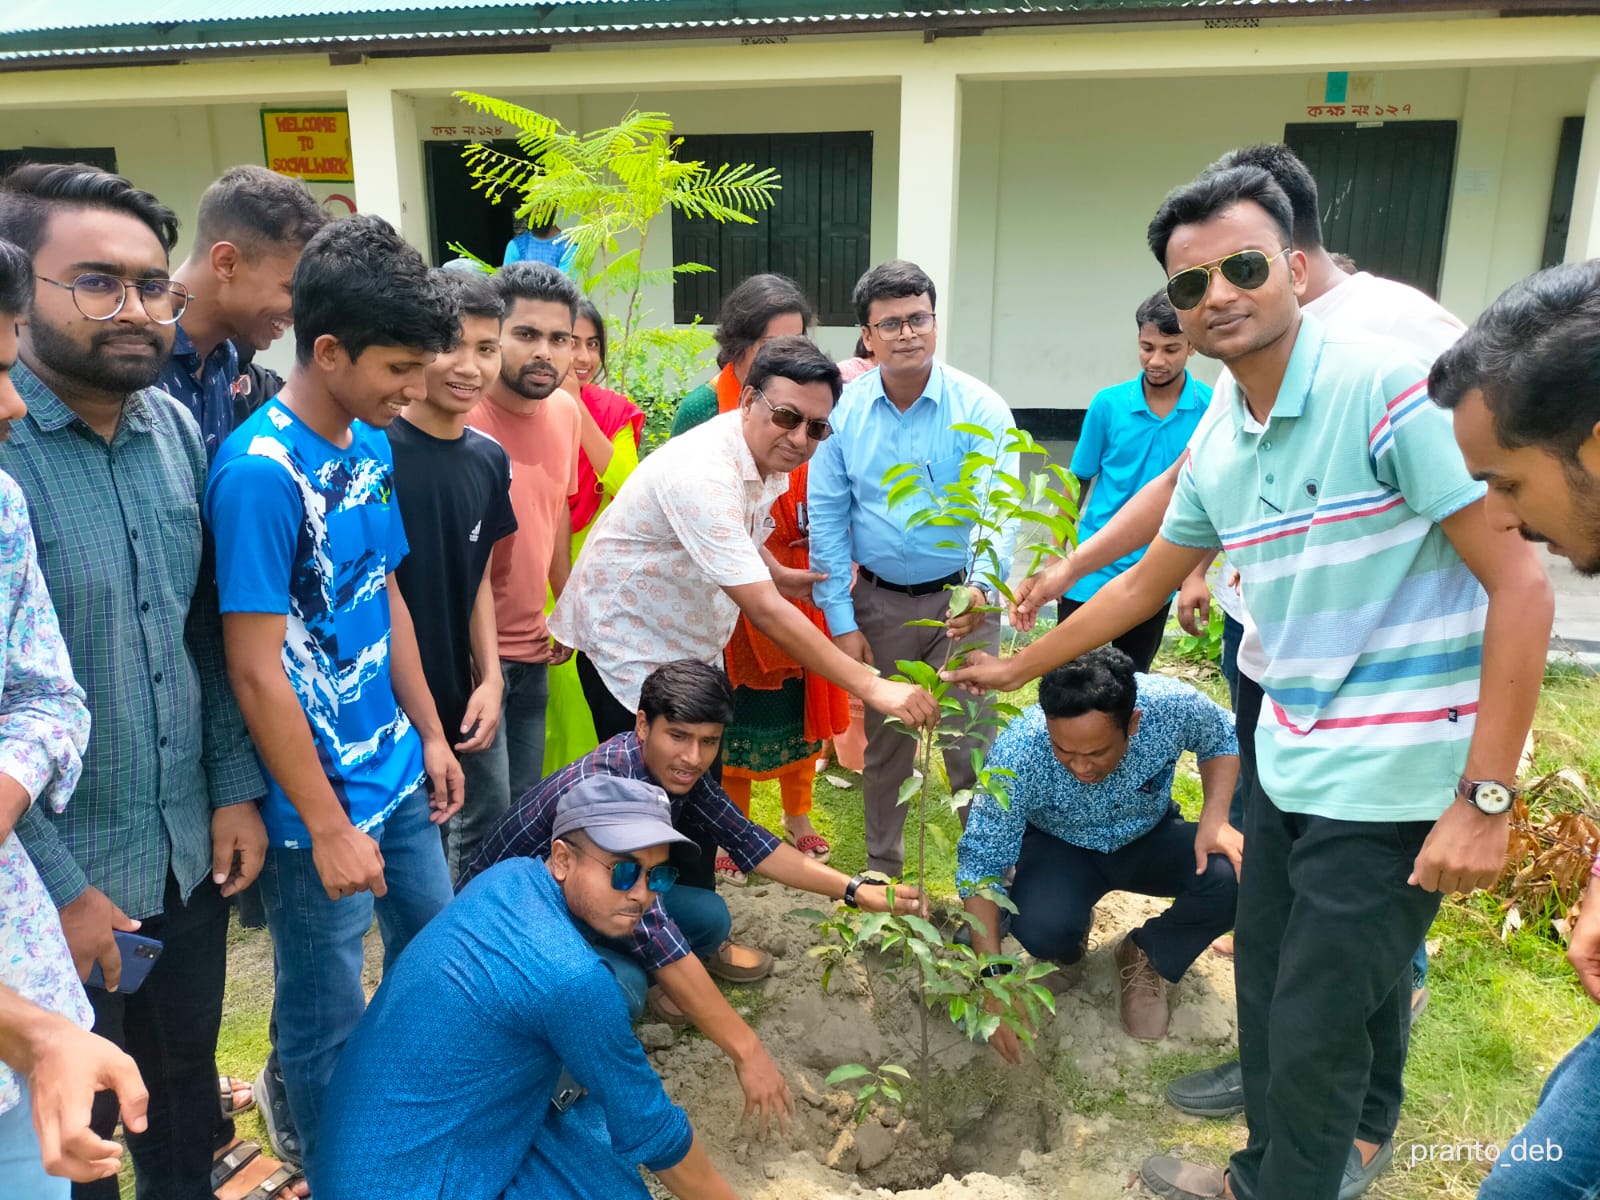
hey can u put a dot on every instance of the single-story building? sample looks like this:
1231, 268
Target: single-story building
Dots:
1016, 152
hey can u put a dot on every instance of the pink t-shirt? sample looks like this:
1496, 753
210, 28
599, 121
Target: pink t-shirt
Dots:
543, 446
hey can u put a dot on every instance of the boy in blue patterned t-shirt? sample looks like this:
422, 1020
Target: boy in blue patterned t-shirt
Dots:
321, 651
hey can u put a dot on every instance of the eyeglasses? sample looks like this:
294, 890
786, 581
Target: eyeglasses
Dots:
101, 297
1247, 269
891, 326
625, 873
787, 418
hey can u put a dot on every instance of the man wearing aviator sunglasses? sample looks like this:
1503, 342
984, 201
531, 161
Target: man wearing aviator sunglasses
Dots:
499, 1050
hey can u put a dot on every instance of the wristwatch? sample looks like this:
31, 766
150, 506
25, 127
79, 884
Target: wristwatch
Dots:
850, 890
1488, 796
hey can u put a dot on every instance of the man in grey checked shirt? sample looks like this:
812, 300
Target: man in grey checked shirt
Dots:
163, 824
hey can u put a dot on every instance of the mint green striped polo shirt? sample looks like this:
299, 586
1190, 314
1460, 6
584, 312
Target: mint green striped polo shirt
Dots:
1371, 623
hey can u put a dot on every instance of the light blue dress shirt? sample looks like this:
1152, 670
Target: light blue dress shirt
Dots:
850, 518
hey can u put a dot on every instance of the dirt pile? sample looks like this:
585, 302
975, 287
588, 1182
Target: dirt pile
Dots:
1004, 1133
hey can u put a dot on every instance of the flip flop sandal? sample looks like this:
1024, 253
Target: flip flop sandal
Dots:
270, 1187
262, 1178
228, 1164
813, 845
727, 871
227, 1087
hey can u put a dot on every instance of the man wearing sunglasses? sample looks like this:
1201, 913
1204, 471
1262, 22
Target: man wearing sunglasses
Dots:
1404, 641
683, 941
679, 554
163, 824
497, 1058
910, 409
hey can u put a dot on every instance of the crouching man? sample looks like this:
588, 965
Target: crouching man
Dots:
683, 939
1091, 812
497, 1058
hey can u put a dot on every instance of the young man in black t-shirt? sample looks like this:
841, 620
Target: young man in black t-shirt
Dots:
453, 487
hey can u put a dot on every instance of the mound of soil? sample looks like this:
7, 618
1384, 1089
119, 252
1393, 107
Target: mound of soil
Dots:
1003, 1134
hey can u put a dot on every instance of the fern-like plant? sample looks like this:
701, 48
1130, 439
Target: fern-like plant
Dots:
611, 185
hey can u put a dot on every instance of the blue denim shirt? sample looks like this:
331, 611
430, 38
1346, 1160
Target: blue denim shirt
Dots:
206, 390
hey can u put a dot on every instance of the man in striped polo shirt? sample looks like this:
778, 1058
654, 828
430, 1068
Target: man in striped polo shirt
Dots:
1405, 641
1522, 385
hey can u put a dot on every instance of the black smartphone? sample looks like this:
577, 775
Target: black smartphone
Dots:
139, 954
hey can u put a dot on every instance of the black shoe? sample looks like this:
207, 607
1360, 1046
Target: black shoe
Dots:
274, 1107
1218, 1092
1358, 1177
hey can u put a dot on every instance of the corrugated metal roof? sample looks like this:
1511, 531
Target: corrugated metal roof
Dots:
46, 32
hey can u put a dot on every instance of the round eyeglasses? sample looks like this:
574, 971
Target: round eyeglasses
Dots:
101, 297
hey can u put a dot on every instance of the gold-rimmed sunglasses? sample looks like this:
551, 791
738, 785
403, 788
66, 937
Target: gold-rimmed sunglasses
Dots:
1248, 269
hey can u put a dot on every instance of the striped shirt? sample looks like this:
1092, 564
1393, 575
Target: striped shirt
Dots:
1371, 623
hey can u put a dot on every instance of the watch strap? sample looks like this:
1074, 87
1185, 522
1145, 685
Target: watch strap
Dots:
850, 890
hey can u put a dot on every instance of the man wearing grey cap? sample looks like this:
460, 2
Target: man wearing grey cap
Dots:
497, 1057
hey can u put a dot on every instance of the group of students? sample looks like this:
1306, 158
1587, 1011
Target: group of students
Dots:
279, 624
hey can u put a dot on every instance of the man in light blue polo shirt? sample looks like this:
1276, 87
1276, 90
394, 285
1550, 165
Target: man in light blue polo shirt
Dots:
904, 411
1405, 644
1131, 434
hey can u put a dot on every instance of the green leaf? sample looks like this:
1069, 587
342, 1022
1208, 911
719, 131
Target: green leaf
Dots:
977, 431
960, 600
895, 1069
846, 1073
909, 787
808, 914
925, 623
924, 928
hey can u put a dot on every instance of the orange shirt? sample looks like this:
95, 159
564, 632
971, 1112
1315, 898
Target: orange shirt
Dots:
543, 446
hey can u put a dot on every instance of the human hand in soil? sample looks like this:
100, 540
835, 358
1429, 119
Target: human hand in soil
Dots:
1217, 837
874, 897
765, 1092
65, 1066
1004, 1040
1584, 950
90, 923
1465, 850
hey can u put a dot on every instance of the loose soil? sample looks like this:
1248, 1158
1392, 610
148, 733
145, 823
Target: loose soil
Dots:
1002, 1133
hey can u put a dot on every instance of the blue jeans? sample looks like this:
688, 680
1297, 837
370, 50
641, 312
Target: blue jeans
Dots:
507, 769
21, 1167
700, 915
1556, 1156
318, 943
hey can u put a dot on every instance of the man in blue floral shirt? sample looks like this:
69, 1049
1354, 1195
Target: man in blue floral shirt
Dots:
1091, 812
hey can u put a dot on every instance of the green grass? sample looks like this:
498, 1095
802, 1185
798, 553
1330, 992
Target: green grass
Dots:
1502, 1013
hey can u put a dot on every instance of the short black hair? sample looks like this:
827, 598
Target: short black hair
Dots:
257, 210
891, 280
688, 692
1289, 173
32, 191
1215, 192
474, 294
747, 311
16, 279
795, 358
536, 281
1158, 311
1099, 681
589, 312
359, 281
1535, 355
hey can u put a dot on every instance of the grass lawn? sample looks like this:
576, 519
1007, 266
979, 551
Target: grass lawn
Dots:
1502, 1013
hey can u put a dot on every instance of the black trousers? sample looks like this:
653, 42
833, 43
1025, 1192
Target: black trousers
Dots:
1140, 643
1326, 929
169, 1027
1058, 884
612, 717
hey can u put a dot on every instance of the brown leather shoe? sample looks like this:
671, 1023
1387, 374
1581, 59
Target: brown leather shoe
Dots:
739, 964
1145, 1013
1179, 1180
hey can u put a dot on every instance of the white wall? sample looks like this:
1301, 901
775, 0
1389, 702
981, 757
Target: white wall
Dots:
1060, 179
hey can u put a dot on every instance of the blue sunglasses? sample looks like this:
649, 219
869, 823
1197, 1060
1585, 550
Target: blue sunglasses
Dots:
625, 873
